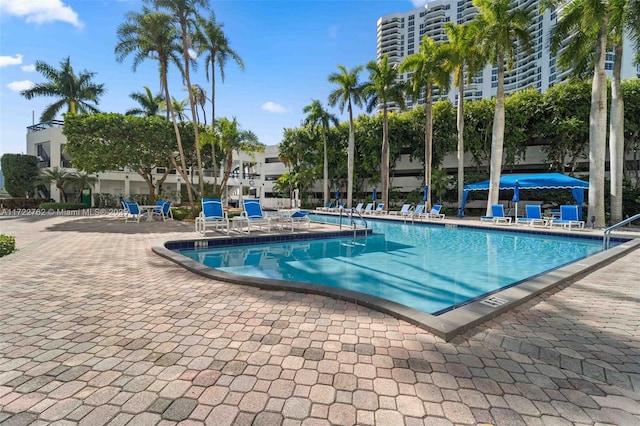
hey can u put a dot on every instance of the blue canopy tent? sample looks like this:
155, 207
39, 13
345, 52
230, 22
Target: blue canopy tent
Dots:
533, 181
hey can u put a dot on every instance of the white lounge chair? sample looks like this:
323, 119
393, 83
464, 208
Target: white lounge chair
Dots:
404, 211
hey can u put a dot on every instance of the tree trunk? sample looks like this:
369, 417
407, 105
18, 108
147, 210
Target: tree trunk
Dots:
460, 127
384, 166
428, 144
497, 139
213, 120
598, 131
325, 168
616, 139
350, 154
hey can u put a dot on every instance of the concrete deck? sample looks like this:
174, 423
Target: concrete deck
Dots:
96, 329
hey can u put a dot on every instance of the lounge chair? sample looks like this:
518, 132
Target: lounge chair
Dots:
326, 207
379, 209
568, 218
212, 215
131, 208
254, 216
418, 212
435, 212
358, 208
163, 209
295, 217
534, 216
497, 215
368, 209
404, 211
337, 207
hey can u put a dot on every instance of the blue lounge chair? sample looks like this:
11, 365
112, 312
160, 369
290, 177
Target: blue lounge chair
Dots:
568, 218
435, 212
497, 215
404, 211
337, 207
212, 215
254, 215
295, 217
418, 212
326, 207
534, 216
131, 208
379, 209
163, 209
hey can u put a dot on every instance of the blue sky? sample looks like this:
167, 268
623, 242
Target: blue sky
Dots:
289, 48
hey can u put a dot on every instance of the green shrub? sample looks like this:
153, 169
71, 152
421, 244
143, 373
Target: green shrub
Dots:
182, 213
62, 206
7, 245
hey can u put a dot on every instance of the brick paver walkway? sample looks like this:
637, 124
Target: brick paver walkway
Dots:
96, 329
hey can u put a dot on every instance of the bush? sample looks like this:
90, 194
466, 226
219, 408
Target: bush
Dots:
7, 245
62, 206
23, 203
182, 213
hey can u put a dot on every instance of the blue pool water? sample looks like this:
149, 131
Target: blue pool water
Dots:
429, 268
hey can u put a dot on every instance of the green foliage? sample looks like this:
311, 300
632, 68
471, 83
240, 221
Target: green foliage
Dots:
7, 244
182, 213
62, 206
20, 172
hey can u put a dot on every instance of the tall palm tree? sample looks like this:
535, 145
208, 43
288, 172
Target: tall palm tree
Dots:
428, 68
185, 13
179, 108
581, 33
461, 55
149, 34
233, 139
348, 92
211, 39
77, 92
81, 180
200, 96
316, 117
383, 90
149, 103
503, 31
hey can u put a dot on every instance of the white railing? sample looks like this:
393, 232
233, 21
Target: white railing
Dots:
607, 232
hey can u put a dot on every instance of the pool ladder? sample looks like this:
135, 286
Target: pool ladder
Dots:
607, 232
350, 213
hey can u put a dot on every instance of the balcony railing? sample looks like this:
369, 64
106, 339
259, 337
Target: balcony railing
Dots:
45, 125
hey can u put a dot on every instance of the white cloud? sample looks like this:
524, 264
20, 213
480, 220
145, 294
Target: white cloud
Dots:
273, 107
10, 60
41, 11
19, 86
28, 68
418, 3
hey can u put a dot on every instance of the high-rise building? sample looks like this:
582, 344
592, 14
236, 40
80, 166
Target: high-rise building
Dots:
400, 34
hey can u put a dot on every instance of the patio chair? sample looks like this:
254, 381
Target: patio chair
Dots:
212, 215
131, 208
380, 209
326, 207
253, 214
568, 218
534, 216
418, 212
435, 212
337, 207
296, 218
497, 215
163, 209
368, 209
358, 208
404, 211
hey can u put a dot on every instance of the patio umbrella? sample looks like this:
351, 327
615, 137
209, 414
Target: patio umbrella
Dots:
425, 196
373, 195
516, 196
337, 195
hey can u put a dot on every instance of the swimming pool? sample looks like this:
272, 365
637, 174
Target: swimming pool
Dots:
429, 268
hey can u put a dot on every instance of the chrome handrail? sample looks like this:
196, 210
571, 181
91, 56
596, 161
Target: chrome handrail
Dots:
607, 232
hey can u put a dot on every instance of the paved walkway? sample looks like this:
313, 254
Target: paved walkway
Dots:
96, 329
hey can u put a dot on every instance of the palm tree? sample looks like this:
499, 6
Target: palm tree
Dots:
81, 180
179, 108
384, 89
149, 103
57, 176
317, 116
581, 32
231, 138
184, 14
200, 96
427, 66
461, 55
77, 92
150, 35
348, 92
500, 25
212, 40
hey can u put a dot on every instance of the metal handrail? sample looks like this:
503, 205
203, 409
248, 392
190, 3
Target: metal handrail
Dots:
607, 232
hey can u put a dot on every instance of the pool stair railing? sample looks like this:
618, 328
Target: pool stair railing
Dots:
606, 237
350, 213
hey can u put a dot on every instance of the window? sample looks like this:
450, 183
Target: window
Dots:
272, 160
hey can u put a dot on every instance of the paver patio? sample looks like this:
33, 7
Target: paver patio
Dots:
96, 329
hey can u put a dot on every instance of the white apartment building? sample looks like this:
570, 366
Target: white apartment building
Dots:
399, 35
251, 176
